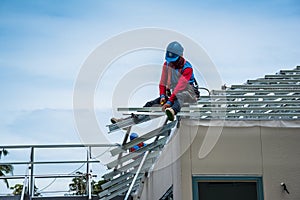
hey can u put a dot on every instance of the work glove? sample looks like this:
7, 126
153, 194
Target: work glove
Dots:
162, 101
165, 106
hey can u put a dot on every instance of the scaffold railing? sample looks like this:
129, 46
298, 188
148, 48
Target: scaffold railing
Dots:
30, 175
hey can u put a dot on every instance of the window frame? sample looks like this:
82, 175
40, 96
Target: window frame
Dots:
203, 178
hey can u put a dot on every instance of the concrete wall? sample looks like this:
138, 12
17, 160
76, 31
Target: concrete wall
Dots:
167, 172
270, 152
281, 162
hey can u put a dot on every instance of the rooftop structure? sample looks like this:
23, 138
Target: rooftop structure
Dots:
270, 98
274, 97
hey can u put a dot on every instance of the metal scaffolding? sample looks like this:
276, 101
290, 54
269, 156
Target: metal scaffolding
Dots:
30, 176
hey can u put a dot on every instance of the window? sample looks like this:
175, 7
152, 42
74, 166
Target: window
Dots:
229, 187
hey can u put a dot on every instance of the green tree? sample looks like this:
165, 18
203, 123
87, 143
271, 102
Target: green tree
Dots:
5, 169
17, 190
78, 185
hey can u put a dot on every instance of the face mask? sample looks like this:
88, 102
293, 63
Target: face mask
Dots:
171, 57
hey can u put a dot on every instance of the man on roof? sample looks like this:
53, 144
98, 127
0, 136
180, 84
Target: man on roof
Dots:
177, 83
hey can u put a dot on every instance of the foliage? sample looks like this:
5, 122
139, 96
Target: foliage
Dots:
5, 169
78, 185
17, 190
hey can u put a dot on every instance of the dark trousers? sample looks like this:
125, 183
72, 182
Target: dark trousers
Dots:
181, 98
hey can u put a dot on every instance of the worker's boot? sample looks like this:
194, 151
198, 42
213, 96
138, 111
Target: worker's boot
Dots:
115, 120
170, 114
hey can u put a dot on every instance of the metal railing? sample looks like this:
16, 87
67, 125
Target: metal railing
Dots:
30, 176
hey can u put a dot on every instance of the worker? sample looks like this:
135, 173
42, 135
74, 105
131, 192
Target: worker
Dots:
133, 136
177, 83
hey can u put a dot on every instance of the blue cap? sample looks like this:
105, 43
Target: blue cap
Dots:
133, 136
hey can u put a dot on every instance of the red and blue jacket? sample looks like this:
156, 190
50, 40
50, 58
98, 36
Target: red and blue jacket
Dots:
175, 76
137, 147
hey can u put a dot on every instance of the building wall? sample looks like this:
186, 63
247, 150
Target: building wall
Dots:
270, 152
238, 151
281, 162
167, 171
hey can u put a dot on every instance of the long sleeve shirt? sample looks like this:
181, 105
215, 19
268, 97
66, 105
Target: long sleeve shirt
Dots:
184, 75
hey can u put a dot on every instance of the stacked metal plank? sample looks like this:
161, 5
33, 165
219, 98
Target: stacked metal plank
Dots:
273, 97
126, 164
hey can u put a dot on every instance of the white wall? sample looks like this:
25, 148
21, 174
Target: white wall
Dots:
270, 152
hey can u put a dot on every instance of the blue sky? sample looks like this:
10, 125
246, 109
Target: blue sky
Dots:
43, 44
